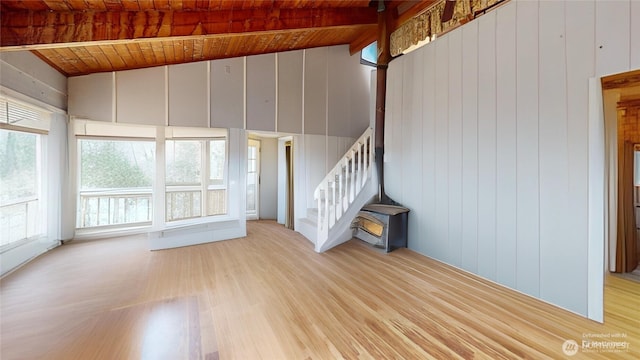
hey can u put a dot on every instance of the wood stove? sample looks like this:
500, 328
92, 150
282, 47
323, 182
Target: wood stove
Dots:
381, 225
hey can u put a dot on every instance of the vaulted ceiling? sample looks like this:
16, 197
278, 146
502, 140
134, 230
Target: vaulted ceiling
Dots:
86, 36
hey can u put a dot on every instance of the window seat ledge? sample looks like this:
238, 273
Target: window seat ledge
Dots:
195, 234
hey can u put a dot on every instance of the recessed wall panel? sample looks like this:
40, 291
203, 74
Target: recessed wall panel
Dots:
580, 29
487, 146
339, 77
469, 258
455, 148
441, 223
554, 177
506, 201
188, 94
227, 93
261, 92
290, 91
315, 91
412, 133
361, 104
528, 192
427, 243
141, 96
91, 97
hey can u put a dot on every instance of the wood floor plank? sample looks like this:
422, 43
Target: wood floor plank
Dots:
270, 296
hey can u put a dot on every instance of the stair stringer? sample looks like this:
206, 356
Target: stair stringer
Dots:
341, 232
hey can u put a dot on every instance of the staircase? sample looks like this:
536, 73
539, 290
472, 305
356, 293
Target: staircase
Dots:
341, 194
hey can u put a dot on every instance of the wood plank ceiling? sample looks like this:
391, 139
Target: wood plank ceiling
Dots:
80, 37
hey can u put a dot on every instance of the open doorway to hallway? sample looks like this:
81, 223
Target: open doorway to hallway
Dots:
263, 175
621, 99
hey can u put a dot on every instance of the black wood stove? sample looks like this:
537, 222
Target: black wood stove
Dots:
382, 225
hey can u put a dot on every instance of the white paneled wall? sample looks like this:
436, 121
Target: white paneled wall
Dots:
322, 91
27, 75
487, 146
84, 92
141, 96
261, 92
505, 143
499, 181
527, 148
227, 85
315, 91
290, 81
188, 92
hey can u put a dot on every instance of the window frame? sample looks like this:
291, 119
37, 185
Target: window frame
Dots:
204, 187
365, 61
128, 191
17, 116
88, 129
32, 229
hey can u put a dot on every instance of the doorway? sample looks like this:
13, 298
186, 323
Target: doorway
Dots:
621, 99
253, 179
286, 181
289, 211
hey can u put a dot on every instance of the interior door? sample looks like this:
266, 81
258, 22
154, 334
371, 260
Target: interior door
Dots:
253, 179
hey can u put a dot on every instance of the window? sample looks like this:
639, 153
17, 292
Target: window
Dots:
217, 189
195, 167
20, 196
184, 179
369, 55
135, 175
116, 178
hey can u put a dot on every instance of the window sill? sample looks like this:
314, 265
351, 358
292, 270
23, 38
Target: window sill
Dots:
186, 225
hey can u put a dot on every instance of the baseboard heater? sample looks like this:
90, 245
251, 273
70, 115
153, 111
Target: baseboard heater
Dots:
381, 225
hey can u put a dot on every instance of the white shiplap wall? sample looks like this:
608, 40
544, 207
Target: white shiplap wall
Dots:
23, 74
321, 91
498, 183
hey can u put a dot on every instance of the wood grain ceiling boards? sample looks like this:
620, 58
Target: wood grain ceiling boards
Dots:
84, 36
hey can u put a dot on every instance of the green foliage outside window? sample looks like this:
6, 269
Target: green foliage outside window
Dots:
109, 164
18, 165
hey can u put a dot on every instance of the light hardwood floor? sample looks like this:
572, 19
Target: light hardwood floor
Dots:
269, 296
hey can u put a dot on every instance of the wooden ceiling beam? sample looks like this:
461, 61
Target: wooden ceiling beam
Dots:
142, 5
23, 28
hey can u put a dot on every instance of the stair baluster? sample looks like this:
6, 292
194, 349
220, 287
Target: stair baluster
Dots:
339, 189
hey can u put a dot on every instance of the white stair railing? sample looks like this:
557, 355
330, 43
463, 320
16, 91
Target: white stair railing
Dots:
341, 186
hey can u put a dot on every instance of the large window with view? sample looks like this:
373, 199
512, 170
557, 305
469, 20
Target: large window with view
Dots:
20, 196
116, 179
195, 178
